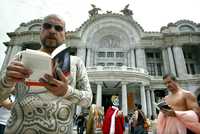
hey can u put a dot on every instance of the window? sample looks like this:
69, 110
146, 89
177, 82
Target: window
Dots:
119, 54
149, 55
110, 64
110, 57
191, 54
151, 68
101, 54
190, 68
158, 55
154, 62
100, 64
159, 69
188, 55
110, 54
119, 64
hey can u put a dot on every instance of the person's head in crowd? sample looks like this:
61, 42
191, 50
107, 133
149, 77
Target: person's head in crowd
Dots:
170, 81
115, 100
152, 117
139, 106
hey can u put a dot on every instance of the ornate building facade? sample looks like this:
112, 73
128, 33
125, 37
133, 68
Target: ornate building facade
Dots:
121, 58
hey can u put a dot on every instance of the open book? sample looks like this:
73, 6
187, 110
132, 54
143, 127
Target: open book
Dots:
163, 106
42, 63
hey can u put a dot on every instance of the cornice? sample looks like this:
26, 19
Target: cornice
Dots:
7, 43
185, 21
13, 34
180, 33
31, 22
97, 17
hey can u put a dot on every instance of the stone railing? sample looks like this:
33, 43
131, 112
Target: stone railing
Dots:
117, 68
192, 76
186, 77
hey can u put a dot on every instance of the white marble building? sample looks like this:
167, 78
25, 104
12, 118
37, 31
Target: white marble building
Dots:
121, 58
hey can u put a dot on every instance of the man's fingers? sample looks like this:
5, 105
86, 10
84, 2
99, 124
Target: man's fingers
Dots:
15, 74
61, 75
17, 63
51, 80
57, 87
19, 68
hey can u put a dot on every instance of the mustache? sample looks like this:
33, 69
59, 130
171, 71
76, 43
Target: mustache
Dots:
51, 36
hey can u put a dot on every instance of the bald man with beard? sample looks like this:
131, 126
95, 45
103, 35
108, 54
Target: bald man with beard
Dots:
49, 112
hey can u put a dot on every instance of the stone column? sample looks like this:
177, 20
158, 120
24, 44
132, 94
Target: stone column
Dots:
171, 61
149, 107
179, 61
81, 52
140, 58
11, 52
165, 61
143, 99
132, 58
15, 50
99, 94
129, 59
88, 57
93, 58
153, 103
124, 99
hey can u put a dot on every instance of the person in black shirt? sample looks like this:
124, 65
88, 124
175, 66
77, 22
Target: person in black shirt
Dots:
81, 121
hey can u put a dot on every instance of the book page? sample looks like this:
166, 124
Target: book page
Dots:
163, 105
39, 62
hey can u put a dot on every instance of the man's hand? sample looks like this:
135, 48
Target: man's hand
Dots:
16, 72
57, 87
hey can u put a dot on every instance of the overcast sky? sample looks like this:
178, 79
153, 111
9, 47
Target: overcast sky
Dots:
150, 14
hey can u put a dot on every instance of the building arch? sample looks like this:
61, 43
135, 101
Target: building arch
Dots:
35, 27
111, 25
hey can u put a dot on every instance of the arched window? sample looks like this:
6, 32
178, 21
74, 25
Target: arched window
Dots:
109, 52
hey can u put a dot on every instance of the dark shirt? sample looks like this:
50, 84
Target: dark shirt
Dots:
140, 120
80, 121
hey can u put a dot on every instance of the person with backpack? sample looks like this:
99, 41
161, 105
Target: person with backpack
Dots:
140, 119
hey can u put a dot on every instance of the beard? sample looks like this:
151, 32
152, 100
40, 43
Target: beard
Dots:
50, 43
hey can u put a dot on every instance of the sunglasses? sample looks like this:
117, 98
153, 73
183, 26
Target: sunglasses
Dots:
48, 26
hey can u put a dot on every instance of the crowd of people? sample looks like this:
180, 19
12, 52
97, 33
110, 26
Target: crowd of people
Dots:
53, 112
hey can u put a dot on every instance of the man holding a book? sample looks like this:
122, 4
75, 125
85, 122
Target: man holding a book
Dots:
179, 111
50, 111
